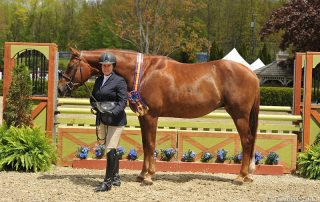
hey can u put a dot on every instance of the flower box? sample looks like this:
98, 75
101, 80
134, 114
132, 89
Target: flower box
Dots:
177, 166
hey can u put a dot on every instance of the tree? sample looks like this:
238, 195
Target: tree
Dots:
243, 51
160, 27
19, 105
264, 55
215, 52
299, 21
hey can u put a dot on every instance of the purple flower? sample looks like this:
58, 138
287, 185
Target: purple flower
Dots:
167, 154
206, 156
99, 151
189, 156
155, 154
132, 155
120, 150
82, 152
237, 158
221, 155
258, 157
272, 158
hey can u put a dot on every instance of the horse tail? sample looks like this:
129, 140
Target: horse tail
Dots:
253, 121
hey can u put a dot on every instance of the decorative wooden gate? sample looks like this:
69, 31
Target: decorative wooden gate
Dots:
309, 64
42, 60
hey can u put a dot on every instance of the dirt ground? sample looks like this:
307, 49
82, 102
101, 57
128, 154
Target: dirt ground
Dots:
67, 184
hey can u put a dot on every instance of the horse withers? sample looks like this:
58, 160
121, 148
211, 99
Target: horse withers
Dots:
173, 89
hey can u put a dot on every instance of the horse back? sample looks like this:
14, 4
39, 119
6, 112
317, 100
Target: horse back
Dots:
191, 90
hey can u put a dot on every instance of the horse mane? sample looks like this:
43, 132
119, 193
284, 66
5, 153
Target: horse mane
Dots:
126, 51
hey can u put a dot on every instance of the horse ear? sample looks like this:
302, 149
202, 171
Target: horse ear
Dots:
74, 51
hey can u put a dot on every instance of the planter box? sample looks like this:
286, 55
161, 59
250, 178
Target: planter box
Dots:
176, 166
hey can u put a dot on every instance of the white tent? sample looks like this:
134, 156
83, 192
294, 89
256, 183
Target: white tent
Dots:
257, 64
236, 57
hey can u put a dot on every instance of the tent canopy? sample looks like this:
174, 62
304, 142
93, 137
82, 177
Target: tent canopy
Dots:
257, 64
236, 57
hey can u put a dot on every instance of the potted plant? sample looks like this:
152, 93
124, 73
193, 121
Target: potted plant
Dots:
206, 157
258, 157
120, 151
167, 154
132, 155
189, 156
221, 156
99, 151
155, 154
237, 158
82, 152
272, 158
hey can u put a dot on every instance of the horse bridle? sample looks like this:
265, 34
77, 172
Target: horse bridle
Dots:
70, 84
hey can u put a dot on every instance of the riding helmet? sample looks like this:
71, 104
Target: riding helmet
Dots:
107, 58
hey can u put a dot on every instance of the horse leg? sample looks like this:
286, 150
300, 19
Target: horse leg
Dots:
145, 165
148, 126
247, 142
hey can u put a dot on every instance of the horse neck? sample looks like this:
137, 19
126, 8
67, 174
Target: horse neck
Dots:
126, 62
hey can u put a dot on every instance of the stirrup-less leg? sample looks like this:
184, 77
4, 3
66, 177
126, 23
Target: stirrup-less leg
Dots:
107, 184
116, 176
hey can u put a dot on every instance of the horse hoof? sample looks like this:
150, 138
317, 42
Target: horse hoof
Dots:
147, 182
238, 181
139, 179
247, 179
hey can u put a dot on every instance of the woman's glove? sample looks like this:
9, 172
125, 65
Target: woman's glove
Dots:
109, 113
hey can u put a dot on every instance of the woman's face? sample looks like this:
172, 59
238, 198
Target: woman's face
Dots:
107, 69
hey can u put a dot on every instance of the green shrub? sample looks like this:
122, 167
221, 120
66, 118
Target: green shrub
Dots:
19, 104
270, 96
25, 149
276, 96
309, 163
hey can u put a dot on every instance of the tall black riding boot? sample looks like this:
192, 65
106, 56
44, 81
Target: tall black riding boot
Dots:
116, 177
107, 184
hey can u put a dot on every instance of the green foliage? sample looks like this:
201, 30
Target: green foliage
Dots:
243, 51
264, 55
25, 149
19, 104
276, 96
215, 52
309, 163
317, 140
272, 159
270, 96
112, 23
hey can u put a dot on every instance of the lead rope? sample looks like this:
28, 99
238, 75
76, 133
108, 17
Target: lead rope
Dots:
97, 114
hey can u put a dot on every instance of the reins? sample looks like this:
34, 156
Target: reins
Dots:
70, 85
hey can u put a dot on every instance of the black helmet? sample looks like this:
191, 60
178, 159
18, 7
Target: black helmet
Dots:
107, 58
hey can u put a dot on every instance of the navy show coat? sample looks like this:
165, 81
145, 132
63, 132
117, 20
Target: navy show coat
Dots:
114, 90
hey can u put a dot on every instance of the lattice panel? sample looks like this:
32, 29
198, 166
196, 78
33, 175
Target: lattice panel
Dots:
71, 138
285, 145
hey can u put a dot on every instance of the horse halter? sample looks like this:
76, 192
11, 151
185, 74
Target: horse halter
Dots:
70, 84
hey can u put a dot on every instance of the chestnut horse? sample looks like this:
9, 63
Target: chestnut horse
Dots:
173, 89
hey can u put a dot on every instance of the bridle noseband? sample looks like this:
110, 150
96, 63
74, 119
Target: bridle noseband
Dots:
70, 84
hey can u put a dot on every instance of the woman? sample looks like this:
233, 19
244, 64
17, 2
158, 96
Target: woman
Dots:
110, 88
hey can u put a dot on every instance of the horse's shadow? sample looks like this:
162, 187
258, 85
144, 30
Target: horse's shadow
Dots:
184, 178
95, 180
